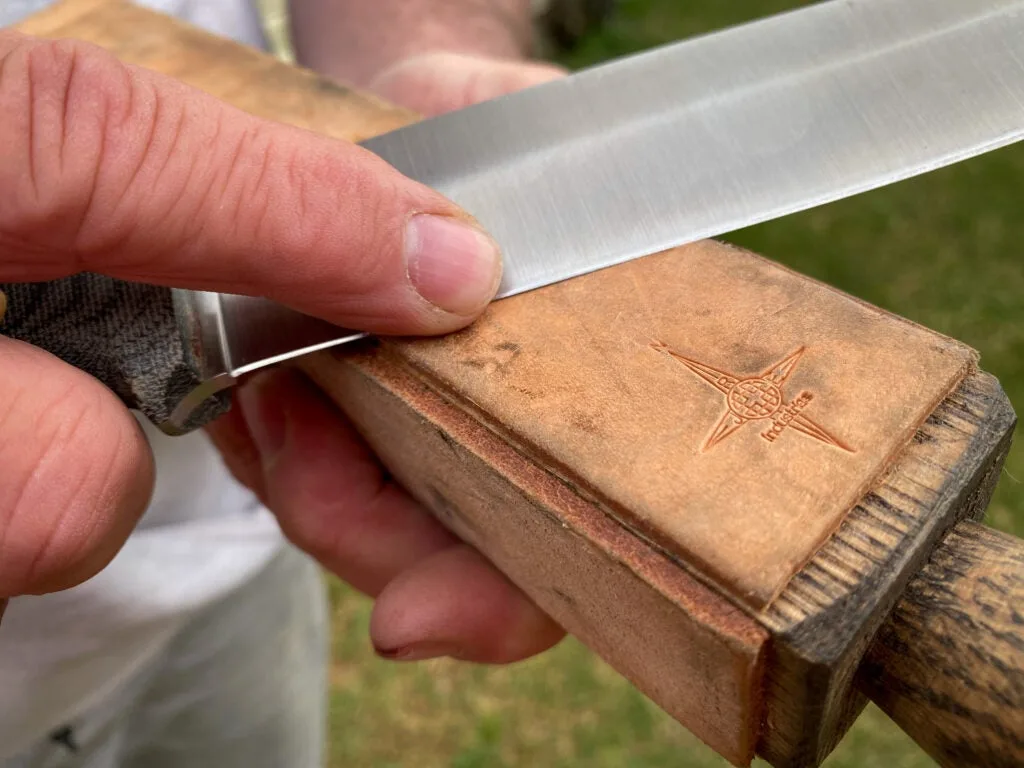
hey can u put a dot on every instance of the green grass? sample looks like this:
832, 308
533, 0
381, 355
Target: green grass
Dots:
944, 250
564, 709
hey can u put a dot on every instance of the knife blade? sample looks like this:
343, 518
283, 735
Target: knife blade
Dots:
687, 141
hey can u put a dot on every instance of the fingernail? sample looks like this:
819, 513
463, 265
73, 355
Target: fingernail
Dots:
451, 264
420, 651
264, 414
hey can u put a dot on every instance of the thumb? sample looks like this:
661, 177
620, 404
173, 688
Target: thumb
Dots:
113, 169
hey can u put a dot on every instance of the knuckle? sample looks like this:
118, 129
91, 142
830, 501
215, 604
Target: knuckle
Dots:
312, 532
344, 220
60, 96
379, 226
324, 523
245, 195
477, 85
311, 536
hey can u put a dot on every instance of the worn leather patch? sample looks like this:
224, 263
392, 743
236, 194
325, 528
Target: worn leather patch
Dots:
725, 408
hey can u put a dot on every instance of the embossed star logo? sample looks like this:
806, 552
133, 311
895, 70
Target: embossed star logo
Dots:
757, 398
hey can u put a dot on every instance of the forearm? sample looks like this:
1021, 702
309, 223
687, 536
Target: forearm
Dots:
353, 40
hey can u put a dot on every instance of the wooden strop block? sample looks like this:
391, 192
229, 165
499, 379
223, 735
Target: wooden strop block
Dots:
733, 483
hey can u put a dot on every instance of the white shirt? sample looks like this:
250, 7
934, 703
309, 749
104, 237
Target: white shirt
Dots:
202, 536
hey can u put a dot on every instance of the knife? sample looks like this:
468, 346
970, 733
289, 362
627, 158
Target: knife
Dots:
680, 143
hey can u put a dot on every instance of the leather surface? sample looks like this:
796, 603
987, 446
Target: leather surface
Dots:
722, 406
678, 641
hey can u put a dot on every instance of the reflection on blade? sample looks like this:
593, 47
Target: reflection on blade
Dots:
257, 333
720, 132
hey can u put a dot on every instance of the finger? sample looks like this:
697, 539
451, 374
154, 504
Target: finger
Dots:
435, 83
113, 169
230, 435
332, 500
77, 472
456, 604
328, 490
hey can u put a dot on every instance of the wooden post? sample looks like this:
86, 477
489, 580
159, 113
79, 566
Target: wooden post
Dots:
948, 665
734, 483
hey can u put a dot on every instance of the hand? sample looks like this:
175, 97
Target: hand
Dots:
111, 169
435, 596
434, 83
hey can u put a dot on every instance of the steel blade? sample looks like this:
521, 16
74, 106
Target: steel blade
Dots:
720, 132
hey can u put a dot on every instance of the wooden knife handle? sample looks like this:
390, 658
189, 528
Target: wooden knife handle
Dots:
948, 664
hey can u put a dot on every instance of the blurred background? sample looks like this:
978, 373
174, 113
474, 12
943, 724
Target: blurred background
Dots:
945, 250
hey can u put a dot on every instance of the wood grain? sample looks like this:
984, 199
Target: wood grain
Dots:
948, 664
824, 620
